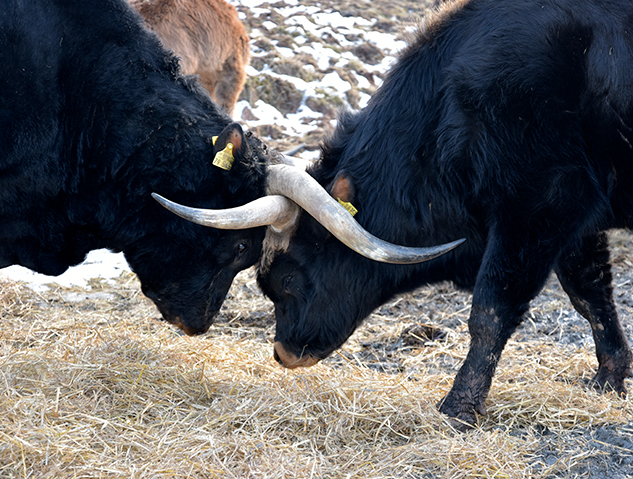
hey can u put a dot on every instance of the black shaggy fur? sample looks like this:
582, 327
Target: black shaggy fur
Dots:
94, 117
508, 123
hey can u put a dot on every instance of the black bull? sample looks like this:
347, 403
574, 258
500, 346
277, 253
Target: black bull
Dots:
94, 117
506, 122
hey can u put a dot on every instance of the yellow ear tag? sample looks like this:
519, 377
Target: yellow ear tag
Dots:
348, 206
214, 139
224, 159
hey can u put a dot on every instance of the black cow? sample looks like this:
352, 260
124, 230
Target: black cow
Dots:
94, 117
508, 123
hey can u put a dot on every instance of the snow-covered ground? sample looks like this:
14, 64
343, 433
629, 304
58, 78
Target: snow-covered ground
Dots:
98, 264
287, 31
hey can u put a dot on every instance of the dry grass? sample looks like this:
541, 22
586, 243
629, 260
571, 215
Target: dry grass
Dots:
99, 388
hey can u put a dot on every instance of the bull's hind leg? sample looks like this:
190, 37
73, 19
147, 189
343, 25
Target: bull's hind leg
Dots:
585, 274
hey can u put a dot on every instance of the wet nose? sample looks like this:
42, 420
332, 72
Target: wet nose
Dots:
291, 361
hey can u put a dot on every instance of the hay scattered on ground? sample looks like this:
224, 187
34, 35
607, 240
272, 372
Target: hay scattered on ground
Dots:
100, 388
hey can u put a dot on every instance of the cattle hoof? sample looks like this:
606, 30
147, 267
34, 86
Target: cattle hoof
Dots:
462, 415
607, 381
463, 424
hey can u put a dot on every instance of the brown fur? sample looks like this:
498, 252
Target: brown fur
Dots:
441, 12
208, 37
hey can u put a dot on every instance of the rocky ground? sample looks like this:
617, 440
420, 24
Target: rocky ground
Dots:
312, 59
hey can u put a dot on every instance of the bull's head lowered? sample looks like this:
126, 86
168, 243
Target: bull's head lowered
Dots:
291, 189
185, 269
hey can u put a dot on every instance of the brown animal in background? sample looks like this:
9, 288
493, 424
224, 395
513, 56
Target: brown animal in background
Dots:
208, 37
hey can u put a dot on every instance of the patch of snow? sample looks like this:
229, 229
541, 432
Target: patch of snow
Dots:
286, 52
250, 4
385, 41
304, 23
320, 53
333, 80
336, 20
298, 10
99, 263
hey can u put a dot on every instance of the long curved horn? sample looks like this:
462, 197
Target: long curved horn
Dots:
304, 190
276, 211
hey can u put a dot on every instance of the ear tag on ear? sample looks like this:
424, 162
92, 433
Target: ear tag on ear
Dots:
214, 139
224, 158
348, 206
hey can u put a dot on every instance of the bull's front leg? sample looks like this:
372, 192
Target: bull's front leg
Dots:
489, 333
585, 274
512, 273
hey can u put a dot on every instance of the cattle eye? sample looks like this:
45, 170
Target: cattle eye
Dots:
241, 248
287, 282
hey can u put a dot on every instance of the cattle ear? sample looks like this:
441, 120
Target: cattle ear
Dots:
227, 145
342, 188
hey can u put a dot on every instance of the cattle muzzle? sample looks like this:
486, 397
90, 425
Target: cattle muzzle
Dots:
184, 327
291, 361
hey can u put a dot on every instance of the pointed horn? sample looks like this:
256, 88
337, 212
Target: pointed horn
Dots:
276, 211
304, 190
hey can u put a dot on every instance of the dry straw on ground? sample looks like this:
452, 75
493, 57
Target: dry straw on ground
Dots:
92, 385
